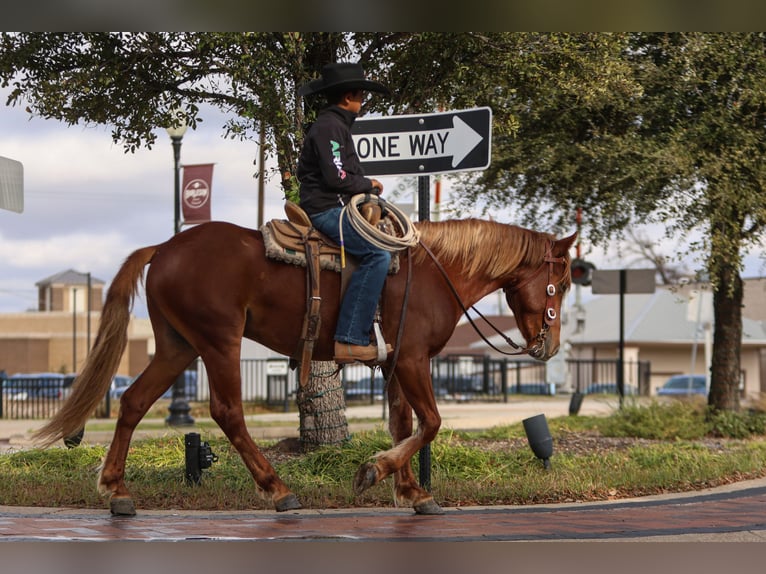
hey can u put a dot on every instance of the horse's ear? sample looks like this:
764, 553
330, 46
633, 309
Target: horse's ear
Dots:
561, 246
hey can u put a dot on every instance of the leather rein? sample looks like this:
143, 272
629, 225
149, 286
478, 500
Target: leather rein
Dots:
549, 316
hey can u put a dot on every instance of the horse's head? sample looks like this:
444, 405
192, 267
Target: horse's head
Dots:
535, 298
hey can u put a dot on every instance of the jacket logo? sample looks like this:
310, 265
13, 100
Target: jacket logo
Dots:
335, 146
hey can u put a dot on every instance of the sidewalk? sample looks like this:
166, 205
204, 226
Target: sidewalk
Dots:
732, 513
16, 434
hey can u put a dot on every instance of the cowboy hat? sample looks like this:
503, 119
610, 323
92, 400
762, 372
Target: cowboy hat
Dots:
341, 76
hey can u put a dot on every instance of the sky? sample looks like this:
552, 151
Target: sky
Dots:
88, 204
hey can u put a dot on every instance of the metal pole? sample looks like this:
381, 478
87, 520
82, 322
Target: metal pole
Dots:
621, 357
90, 287
177, 187
74, 330
179, 408
424, 214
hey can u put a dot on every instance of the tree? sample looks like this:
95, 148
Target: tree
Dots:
644, 249
664, 128
709, 88
134, 82
650, 127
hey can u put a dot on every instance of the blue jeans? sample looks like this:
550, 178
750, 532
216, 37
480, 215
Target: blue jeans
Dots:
357, 310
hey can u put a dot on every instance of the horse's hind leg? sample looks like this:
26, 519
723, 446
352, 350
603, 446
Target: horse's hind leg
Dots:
134, 404
226, 409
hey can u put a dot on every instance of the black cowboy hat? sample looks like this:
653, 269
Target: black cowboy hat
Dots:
342, 76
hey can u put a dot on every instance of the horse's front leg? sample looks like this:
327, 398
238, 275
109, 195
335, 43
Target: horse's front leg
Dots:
397, 461
226, 410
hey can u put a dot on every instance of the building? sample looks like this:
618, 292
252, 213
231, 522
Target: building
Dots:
56, 337
670, 330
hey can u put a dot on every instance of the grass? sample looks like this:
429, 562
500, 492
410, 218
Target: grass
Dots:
639, 450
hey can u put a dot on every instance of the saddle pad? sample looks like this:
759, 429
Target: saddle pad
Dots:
283, 242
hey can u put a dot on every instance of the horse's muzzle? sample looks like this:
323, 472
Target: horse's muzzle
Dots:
542, 351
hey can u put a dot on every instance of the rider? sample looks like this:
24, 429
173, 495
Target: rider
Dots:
330, 172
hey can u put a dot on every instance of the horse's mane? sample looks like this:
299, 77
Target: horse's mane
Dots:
483, 248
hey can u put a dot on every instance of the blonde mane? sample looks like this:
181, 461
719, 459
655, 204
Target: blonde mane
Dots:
483, 248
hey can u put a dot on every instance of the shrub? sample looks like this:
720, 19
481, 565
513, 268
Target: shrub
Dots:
659, 421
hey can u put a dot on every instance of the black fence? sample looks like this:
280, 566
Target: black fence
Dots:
30, 396
478, 377
454, 378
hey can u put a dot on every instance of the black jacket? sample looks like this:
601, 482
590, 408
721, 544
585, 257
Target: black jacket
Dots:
329, 170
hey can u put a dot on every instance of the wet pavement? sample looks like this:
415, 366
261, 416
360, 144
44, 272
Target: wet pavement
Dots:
732, 513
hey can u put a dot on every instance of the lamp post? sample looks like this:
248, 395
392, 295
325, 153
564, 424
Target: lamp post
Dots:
179, 408
176, 133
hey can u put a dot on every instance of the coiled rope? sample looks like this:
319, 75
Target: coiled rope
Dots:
405, 234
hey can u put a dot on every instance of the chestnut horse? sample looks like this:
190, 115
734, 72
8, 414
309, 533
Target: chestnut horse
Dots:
210, 285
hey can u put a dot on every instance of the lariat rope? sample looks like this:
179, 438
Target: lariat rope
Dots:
408, 235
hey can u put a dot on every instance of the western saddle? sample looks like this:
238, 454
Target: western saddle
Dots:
295, 237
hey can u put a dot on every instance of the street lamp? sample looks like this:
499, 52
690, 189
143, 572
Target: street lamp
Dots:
176, 133
179, 408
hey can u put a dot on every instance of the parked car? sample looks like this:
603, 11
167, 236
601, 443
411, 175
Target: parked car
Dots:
684, 385
66, 385
459, 387
361, 389
610, 389
23, 386
120, 384
190, 387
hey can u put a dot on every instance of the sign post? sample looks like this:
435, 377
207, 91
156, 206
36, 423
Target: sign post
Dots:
622, 281
424, 144
424, 214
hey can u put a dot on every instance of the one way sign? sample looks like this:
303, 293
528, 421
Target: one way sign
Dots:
422, 144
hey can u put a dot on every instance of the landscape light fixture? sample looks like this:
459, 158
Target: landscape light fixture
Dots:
198, 457
539, 438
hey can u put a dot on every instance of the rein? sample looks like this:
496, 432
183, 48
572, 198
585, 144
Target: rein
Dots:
549, 317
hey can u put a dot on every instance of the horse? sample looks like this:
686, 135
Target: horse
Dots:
212, 284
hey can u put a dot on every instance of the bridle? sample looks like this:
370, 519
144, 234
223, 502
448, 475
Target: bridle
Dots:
549, 315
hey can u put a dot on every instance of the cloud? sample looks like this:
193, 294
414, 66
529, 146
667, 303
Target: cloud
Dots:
79, 251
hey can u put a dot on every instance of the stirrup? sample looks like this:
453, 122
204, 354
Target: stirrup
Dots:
380, 342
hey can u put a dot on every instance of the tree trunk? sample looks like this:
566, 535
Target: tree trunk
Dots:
322, 407
727, 339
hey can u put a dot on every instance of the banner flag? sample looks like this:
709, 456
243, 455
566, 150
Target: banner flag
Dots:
195, 193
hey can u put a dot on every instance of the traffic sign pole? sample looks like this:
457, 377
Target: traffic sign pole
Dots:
424, 214
424, 144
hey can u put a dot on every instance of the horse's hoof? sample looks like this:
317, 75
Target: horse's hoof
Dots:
75, 439
289, 502
366, 476
428, 506
122, 506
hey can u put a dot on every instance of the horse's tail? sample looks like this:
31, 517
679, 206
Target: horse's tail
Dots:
94, 381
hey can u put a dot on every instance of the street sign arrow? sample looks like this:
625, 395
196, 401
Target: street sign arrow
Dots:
422, 144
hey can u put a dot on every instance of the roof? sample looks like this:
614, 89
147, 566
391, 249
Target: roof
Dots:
68, 277
464, 335
663, 317
660, 317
